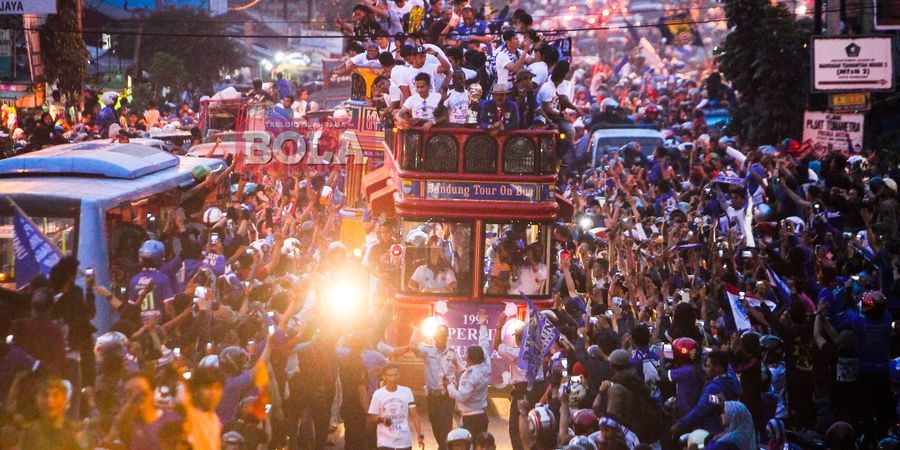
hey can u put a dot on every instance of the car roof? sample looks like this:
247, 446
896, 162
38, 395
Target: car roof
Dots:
628, 132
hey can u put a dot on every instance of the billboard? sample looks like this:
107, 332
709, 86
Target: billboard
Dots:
39, 7
835, 132
862, 63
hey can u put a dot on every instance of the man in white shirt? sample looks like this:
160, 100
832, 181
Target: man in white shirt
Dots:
457, 100
510, 60
393, 410
471, 392
399, 91
544, 59
418, 109
441, 363
367, 59
416, 59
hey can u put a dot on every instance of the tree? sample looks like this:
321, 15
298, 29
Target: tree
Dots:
62, 50
766, 60
187, 35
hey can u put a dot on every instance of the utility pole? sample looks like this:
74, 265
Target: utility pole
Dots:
833, 17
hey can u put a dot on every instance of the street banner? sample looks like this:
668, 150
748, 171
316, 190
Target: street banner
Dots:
741, 316
461, 319
833, 132
35, 254
537, 338
852, 63
41, 7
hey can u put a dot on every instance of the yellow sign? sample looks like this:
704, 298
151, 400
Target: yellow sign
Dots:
855, 101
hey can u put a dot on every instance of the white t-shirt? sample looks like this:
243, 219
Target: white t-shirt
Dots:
394, 405
457, 104
361, 60
407, 7
530, 281
430, 69
399, 75
504, 58
541, 72
423, 108
299, 107
429, 282
548, 93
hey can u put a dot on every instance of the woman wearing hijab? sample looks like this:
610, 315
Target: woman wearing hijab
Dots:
739, 433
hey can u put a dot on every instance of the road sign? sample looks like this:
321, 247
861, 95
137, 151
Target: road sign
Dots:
849, 102
834, 132
862, 63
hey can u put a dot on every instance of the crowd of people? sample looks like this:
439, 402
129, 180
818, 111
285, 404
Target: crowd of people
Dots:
708, 294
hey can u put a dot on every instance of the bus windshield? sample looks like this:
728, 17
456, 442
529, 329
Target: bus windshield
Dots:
437, 257
60, 230
516, 259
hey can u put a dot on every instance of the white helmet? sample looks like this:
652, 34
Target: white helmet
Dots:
340, 115
212, 215
459, 435
209, 362
109, 98
289, 247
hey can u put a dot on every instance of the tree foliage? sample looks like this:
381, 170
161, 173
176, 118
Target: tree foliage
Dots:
188, 36
63, 52
766, 59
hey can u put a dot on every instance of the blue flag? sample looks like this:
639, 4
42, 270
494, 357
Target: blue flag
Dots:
781, 288
35, 254
537, 338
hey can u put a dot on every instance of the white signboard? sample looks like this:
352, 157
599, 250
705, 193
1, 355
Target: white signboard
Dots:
39, 7
835, 132
852, 64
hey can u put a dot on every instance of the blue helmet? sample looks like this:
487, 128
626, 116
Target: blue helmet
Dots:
152, 251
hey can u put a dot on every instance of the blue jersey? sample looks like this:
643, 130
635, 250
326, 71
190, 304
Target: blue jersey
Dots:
162, 289
215, 262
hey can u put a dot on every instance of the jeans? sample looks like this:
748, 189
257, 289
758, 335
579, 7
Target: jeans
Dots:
476, 424
440, 415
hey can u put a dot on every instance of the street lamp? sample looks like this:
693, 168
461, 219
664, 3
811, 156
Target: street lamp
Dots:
279, 57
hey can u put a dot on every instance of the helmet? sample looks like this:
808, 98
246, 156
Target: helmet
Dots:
459, 435
109, 98
767, 149
685, 350
727, 141
152, 251
209, 362
233, 359
585, 422
750, 343
289, 247
762, 212
595, 352
873, 303
889, 443
583, 443
650, 109
697, 439
212, 215
577, 391
541, 420
109, 344
771, 345
233, 438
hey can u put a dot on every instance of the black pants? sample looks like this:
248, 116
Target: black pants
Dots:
440, 415
320, 411
355, 435
878, 415
476, 424
520, 391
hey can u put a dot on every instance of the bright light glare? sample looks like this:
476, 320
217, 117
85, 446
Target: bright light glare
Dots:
429, 326
569, 17
357, 252
279, 57
592, 20
343, 298
586, 222
572, 8
801, 10
605, 12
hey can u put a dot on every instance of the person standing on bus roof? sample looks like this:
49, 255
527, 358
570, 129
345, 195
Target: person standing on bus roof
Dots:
441, 363
471, 393
150, 288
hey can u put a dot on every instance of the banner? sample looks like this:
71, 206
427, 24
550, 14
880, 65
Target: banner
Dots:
741, 316
677, 30
461, 319
33, 45
782, 291
833, 132
537, 338
35, 254
16, 7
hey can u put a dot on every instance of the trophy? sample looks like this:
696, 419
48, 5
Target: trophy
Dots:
474, 91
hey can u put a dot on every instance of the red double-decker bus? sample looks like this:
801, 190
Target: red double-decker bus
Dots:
475, 215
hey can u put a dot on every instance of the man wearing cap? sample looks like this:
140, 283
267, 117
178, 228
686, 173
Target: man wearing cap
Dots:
523, 93
499, 113
367, 59
416, 59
